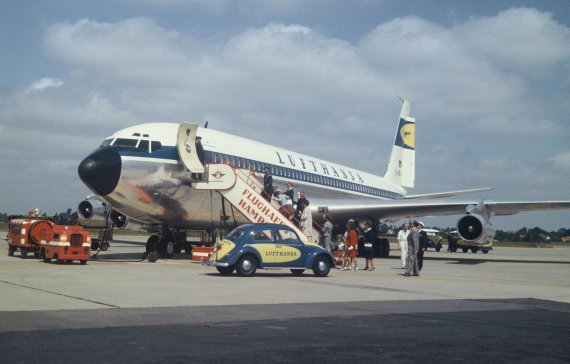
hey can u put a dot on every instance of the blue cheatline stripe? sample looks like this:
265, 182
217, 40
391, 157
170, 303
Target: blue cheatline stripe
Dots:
168, 152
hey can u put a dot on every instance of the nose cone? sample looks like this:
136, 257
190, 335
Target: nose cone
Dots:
101, 171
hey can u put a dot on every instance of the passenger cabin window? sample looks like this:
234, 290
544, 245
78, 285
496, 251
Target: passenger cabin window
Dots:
106, 142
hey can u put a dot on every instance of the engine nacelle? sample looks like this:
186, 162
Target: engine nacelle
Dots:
123, 222
92, 213
475, 227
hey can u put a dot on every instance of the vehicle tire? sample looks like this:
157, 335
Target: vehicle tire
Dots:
485, 251
226, 271
246, 266
474, 250
465, 250
11, 251
23, 253
321, 266
83, 262
68, 261
438, 249
297, 272
47, 260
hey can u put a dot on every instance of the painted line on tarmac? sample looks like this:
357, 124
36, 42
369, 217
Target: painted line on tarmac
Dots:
60, 294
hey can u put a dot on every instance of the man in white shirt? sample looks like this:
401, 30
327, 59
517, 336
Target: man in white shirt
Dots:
403, 244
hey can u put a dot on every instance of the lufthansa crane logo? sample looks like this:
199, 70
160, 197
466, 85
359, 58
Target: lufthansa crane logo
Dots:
217, 174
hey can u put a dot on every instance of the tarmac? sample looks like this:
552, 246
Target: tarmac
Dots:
511, 305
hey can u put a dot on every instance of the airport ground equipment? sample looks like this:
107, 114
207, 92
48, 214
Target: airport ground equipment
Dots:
26, 233
241, 188
66, 244
455, 242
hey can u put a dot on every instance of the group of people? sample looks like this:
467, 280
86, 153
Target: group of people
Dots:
296, 211
412, 243
349, 245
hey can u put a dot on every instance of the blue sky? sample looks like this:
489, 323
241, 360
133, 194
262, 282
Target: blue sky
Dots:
489, 84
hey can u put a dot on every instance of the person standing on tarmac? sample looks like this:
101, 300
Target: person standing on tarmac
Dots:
403, 244
351, 246
412, 268
368, 246
325, 239
423, 245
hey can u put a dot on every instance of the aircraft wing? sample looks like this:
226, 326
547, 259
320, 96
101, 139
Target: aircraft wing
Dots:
401, 209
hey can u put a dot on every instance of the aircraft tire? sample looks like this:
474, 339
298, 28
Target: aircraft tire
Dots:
166, 248
152, 244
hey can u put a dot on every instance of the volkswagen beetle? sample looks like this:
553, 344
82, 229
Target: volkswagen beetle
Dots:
268, 246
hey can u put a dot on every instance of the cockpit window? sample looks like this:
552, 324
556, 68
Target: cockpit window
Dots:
121, 142
143, 146
154, 146
106, 142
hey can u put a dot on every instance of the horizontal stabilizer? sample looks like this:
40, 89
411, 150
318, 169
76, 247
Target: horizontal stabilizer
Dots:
446, 194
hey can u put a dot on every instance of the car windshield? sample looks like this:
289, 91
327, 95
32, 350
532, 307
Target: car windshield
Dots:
235, 234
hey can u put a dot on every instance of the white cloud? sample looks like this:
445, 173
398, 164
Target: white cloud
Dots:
45, 83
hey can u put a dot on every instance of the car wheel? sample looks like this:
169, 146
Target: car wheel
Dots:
474, 250
226, 271
246, 266
485, 251
297, 272
321, 266
11, 251
465, 250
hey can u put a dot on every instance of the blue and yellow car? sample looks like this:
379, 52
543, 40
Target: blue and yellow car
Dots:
267, 246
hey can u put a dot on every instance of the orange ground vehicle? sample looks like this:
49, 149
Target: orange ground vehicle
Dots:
41, 236
26, 233
67, 243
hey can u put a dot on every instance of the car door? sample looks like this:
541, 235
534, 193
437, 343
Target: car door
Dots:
263, 241
289, 250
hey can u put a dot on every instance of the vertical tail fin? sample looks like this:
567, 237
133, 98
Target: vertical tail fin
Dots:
402, 166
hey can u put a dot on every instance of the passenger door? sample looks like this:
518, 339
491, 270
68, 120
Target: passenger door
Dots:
186, 147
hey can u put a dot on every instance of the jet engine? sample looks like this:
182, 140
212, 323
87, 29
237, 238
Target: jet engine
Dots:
475, 227
92, 213
123, 222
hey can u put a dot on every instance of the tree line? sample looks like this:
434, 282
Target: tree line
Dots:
533, 235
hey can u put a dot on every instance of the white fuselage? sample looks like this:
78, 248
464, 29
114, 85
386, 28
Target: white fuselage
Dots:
155, 187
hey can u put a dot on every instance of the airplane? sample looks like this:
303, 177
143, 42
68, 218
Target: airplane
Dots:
149, 175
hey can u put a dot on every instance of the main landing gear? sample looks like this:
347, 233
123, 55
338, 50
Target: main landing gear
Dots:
166, 244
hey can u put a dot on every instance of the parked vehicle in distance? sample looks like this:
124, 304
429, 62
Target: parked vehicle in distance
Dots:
455, 242
267, 246
434, 239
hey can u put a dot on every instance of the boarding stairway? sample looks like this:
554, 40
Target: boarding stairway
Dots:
241, 188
